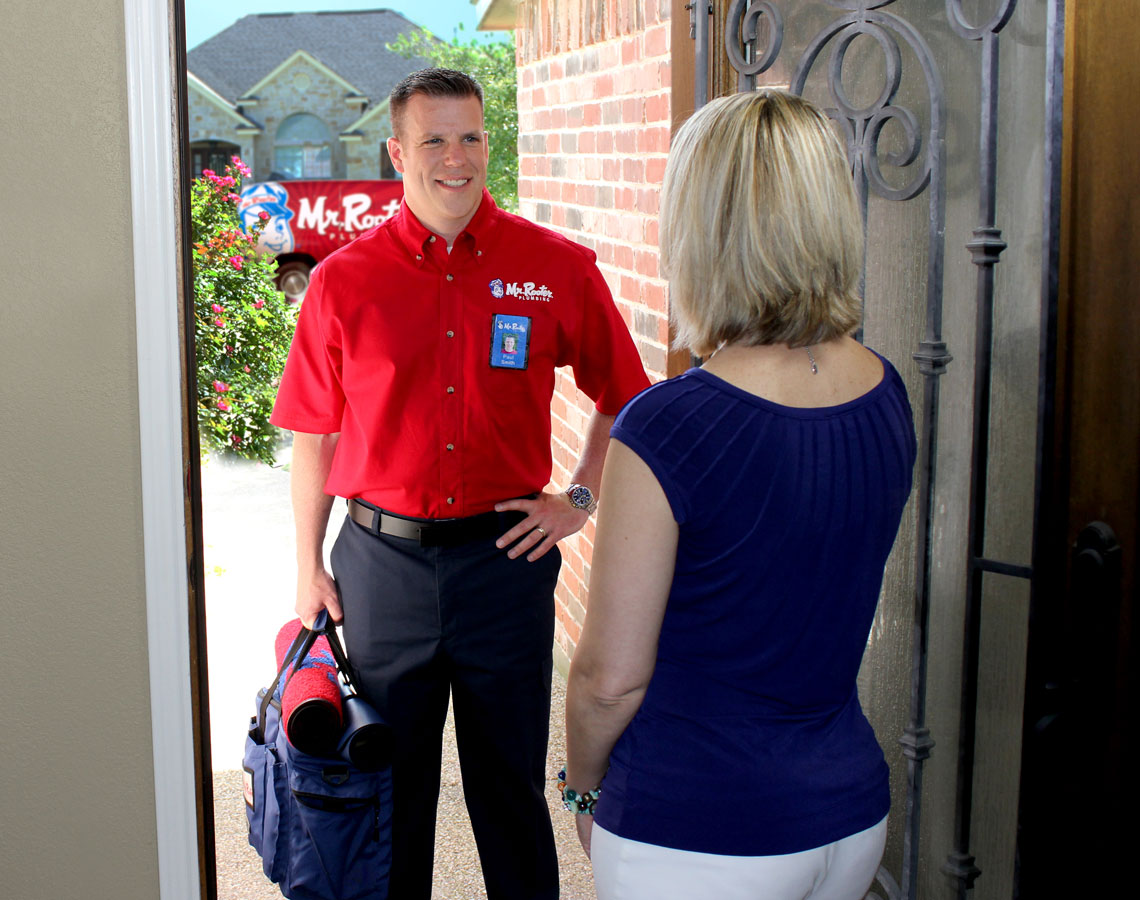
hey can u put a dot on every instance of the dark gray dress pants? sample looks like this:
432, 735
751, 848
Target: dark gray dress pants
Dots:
423, 622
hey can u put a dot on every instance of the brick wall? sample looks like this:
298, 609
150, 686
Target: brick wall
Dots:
594, 126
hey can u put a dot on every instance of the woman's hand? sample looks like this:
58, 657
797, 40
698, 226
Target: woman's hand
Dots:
585, 830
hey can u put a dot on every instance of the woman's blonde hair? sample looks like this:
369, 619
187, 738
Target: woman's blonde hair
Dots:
761, 234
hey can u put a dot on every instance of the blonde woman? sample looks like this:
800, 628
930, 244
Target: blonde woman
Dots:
713, 725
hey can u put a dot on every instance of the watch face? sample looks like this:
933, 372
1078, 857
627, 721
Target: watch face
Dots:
580, 496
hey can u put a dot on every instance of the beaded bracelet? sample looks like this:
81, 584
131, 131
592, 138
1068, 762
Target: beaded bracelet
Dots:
582, 804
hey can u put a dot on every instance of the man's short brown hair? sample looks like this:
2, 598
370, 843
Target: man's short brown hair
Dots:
434, 82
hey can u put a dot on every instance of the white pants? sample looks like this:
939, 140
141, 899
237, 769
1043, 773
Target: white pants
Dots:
631, 870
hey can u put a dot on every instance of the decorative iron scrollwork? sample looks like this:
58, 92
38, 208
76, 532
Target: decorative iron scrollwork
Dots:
743, 29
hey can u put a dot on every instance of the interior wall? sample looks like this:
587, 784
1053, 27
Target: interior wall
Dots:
77, 775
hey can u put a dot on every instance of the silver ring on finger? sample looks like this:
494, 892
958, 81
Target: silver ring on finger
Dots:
540, 530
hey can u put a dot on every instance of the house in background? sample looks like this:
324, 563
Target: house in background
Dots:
298, 95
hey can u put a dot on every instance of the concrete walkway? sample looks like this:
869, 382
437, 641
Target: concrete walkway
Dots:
250, 586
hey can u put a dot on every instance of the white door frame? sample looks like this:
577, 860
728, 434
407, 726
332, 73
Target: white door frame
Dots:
149, 55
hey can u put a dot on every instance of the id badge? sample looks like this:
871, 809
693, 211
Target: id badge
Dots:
510, 341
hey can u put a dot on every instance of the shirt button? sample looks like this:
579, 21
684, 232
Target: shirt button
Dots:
450, 389
450, 277
419, 256
478, 252
451, 446
450, 499
431, 239
451, 334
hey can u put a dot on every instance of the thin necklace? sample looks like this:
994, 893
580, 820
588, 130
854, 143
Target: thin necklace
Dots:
811, 359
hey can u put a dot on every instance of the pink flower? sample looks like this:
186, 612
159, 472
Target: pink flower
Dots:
236, 262
223, 406
233, 198
208, 173
235, 439
218, 308
263, 215
221, 387
229, 350
257, 304
246, 368
228, 181
219, 322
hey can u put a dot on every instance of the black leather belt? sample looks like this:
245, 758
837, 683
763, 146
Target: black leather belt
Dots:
433, 532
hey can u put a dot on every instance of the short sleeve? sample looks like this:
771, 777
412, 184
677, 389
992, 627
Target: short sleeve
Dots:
310, 398
607, 366
643, 426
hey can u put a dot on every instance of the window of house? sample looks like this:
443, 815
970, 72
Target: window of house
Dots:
303, 148
213, 155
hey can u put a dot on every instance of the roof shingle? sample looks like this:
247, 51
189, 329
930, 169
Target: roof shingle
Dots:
352, 44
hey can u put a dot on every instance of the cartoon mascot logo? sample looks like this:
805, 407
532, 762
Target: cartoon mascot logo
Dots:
271, 198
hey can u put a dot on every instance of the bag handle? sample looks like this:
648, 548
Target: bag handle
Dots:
298, 651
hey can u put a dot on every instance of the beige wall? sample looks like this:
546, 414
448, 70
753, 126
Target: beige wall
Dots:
76, 782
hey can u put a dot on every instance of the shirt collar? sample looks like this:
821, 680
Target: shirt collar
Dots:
413, 235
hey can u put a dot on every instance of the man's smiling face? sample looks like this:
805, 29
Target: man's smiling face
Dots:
442, 154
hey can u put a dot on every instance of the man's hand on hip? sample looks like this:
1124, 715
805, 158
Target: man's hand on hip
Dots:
317, 591
549, 518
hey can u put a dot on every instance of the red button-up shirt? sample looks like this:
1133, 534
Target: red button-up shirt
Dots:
394, 350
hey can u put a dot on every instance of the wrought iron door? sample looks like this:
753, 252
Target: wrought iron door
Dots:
956, 161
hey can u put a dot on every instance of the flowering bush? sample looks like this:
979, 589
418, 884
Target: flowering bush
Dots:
243, 326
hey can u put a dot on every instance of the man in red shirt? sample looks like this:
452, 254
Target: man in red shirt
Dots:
405, 397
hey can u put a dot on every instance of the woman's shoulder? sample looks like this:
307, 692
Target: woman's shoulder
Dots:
669, 397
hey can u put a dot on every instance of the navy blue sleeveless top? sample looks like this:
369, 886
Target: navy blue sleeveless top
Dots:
751, 740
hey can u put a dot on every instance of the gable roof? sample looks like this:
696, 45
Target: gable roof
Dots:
352, 44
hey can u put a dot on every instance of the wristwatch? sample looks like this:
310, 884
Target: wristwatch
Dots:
581, 497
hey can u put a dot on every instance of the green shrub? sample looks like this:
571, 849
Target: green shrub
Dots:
243, 325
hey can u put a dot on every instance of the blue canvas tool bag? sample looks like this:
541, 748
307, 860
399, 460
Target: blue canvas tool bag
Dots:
321, 825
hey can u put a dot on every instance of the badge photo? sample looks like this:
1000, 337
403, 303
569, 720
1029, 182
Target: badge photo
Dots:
510, 341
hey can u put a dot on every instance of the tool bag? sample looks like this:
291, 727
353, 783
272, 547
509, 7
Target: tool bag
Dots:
321, 825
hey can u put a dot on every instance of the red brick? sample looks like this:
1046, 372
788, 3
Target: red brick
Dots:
651, 233
603, 86
591, 115
657, 41
655, 297
633, 170
655, 171
586, 140
657, 108
645, 263
633, 111
629, 51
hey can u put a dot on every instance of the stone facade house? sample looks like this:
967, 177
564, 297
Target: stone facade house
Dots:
297, 95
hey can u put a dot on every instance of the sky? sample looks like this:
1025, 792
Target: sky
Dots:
205, 18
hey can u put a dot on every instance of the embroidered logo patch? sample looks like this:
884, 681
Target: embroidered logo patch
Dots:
497, 288
510, 341
527, 290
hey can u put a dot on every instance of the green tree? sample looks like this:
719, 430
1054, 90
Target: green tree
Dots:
243, 326
493, 66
